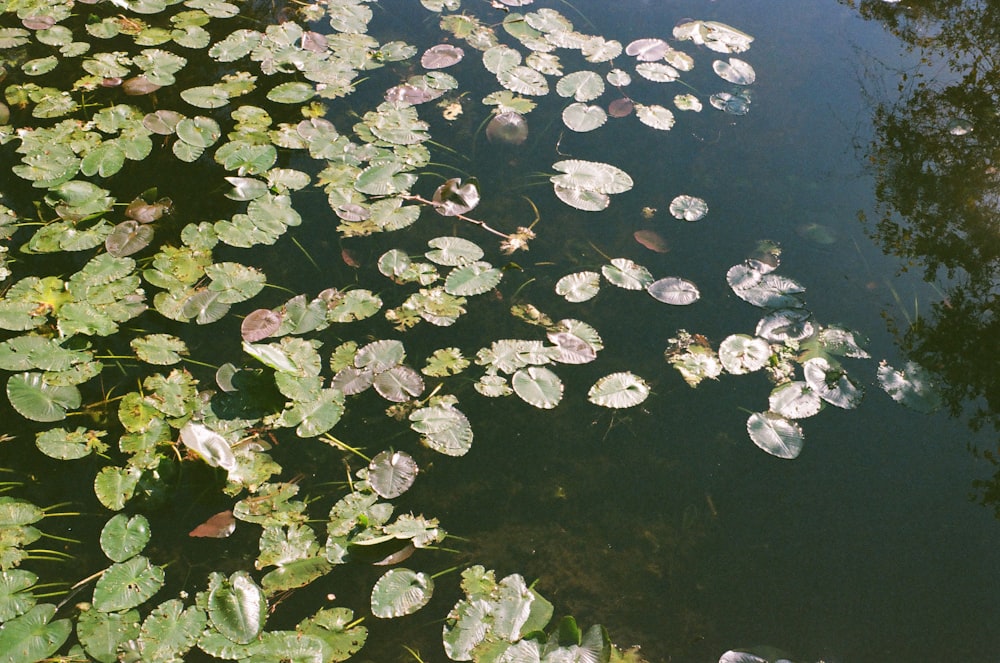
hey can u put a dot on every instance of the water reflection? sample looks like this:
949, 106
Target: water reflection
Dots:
934, 155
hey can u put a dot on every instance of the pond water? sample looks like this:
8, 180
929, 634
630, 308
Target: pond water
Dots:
664, 522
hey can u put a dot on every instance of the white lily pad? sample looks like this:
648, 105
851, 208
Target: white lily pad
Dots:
776, 435
619, 390
674, 290
579, 286
538, 386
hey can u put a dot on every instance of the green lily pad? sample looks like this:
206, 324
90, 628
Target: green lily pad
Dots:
37, 400
124, 537
15, 595
127, 584
104, 634
236, 606
33, 636
171, 630
443, 428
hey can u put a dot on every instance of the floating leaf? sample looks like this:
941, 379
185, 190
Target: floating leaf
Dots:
538, 386
453, 198
523, 80
582, 199
794, 400
591, 176
581, 117
391, 473
444, 429
831, 383
674, 290
33, 636
400, 592
472, 279
398, 384
379, 356
37, 400
647, 50
652, 240
236, 606
655, 116
218, 526
581, 85
658, 72
441, 56
626, 274
740, 353
688, 208
735, 71
159, 349
259, 325
775, 434
618, 390
208, 444
579, 286
127, 585
124, 537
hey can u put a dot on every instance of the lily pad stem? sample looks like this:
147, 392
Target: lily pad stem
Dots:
482, 224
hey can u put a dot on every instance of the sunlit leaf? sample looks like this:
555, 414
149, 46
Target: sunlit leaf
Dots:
236, 606
35, 399
400, 592
127, 584
538, 386
912, 386
123, 537
391, 473
674, 290
776, 435
619, 390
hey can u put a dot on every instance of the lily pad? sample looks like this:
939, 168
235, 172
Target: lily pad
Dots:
391, 473
38, 400
674, 290
538, 386
236, 606
400, 592
127, 584
124, 537
619, 390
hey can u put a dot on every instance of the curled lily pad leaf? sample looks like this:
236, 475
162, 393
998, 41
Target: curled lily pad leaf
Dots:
579, 286
912, 386
735, 71
626, 274
619, 390
831, 383
775, 434
208, 444
400, 592
688, 208
674, 290
508, 127
391, 473
786, 325
538, 386
453, 198
740, 353
794, 400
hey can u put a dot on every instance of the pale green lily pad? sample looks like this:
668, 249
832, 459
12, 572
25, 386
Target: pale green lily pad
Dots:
523, 80
582, 199
35, 399
391, 473
171, 630
292, 92
103, 634
33, 636
449, 251
159, 349
579, 286
582, 118
735, 71
619, 390
538, 386
581, 85
655, 116
591, 176
674, 290
626, 274
472, 279
400, 592
62, 444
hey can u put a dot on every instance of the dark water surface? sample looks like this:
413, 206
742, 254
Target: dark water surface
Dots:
664, 522
669, 526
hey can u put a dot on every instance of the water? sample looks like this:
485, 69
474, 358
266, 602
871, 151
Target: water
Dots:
664, 522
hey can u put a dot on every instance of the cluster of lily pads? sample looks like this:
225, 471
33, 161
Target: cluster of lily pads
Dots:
126, 90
